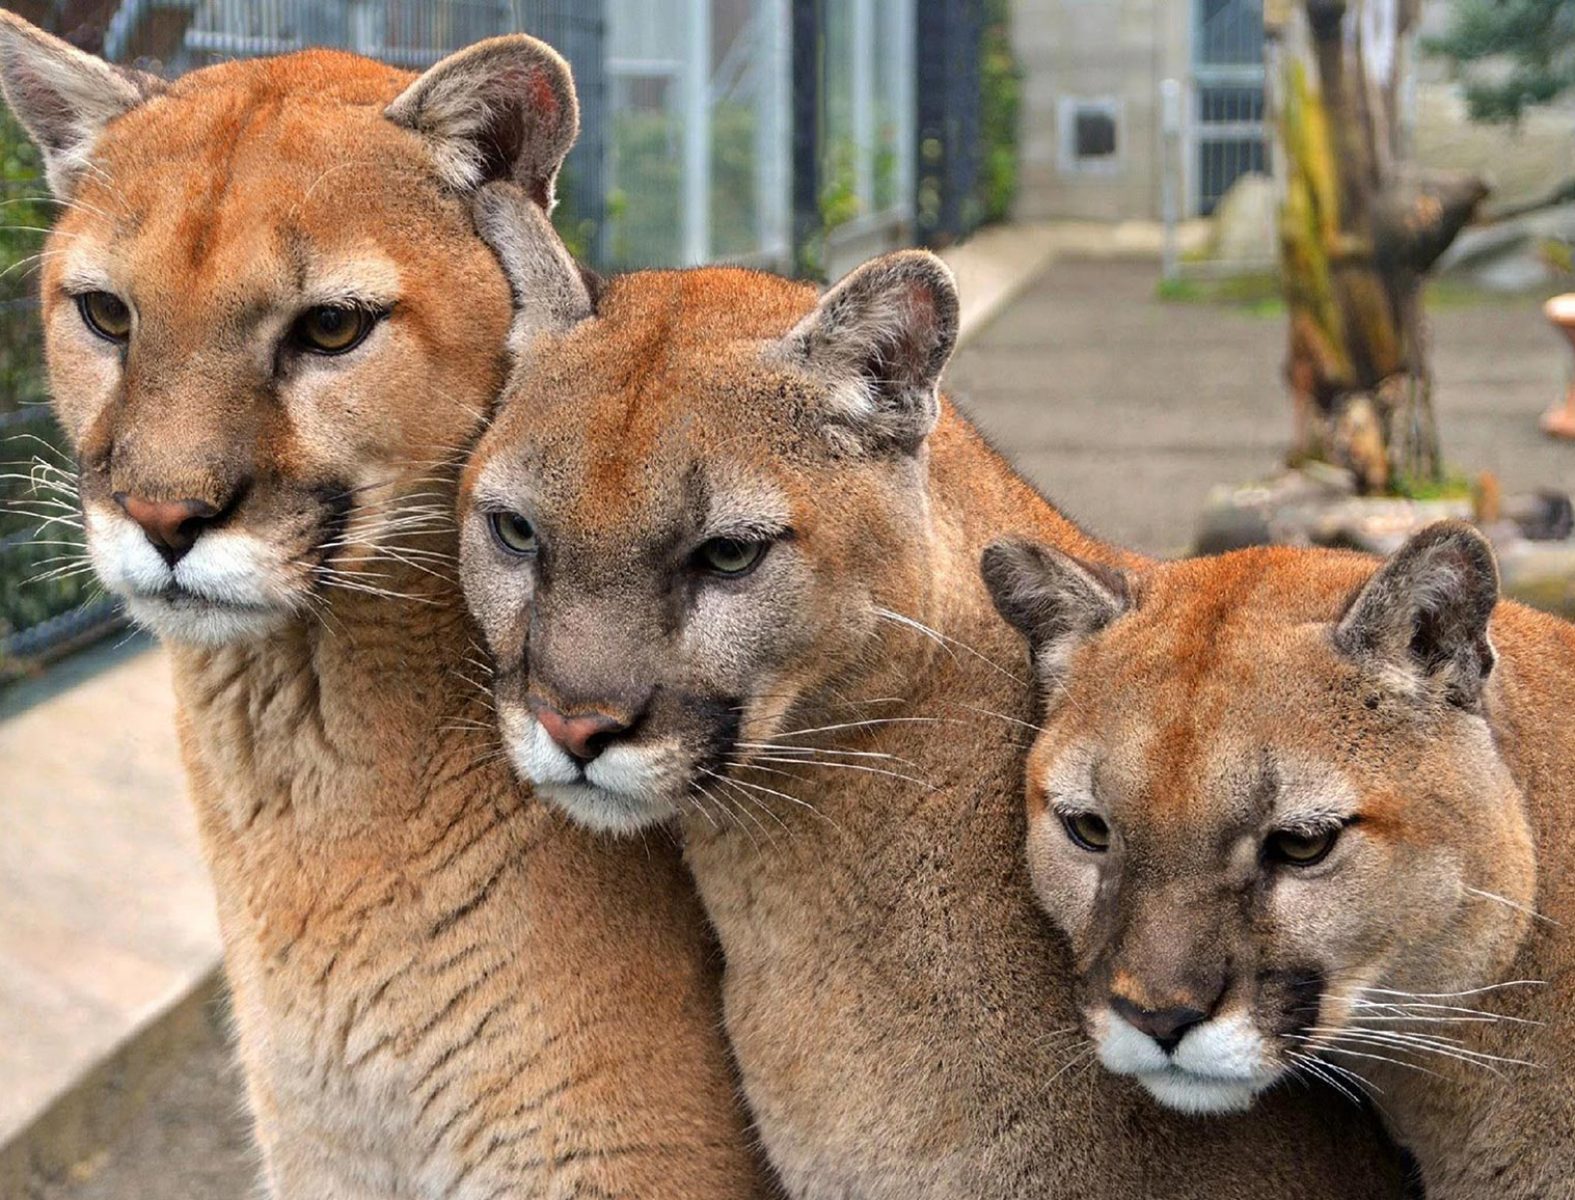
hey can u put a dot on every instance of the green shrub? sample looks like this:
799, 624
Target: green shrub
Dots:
1000, 99
29, 547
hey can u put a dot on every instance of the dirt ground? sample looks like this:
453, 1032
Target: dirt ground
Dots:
1126, 411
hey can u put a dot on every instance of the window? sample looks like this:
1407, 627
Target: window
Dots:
1090, 135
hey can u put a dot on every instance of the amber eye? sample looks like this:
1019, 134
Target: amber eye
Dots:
333, 328
1087, 830
1299, 849
729, 556
514, 533
106, 315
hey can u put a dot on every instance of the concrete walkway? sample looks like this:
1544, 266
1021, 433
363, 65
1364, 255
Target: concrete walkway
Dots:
1124, 409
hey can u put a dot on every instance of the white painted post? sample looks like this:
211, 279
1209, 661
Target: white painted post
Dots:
1170, 146
863, 97
772, 68
696, 188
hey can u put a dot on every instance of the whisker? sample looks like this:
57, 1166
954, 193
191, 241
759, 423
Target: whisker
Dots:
1508, 903
945, 642
812, 762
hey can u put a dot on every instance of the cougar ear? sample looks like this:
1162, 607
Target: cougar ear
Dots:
64, 97
550, 291
1056, 600
502, 109
882, 337
1421, 622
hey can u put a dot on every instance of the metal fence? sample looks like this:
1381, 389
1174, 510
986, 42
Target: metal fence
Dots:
1228, 99
800, 135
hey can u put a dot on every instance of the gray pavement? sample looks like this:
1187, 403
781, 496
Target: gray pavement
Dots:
190, 1141
1126, 411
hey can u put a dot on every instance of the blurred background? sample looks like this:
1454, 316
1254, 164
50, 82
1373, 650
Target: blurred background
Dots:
1207, 303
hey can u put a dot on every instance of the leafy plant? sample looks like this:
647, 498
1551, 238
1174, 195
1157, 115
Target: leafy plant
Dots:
1000, 98
1513, 54
30, 589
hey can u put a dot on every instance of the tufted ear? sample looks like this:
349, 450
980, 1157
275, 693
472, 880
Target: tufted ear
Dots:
1056, 600
882, 337
64, 97
550, 291
1421, 622
502, 109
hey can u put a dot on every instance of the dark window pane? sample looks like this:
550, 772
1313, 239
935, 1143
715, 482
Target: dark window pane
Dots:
1095, 134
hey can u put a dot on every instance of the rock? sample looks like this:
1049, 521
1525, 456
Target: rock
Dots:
1508, 256
1540, 574
1542, 516
1532, 534
1244, 224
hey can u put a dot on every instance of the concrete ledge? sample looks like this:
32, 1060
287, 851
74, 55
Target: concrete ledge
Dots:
108, 935
993, 266
66, 1141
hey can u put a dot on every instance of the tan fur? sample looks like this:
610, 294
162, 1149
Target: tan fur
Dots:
899, 1010
1226, 686
441, 988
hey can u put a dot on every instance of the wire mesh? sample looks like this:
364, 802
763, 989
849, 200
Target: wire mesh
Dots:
1228, 106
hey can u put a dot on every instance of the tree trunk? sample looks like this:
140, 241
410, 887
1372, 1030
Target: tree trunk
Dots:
1358, 233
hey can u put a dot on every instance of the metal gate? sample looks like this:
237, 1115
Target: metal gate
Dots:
1228, 98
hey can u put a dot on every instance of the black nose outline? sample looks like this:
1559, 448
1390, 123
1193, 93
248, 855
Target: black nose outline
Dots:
1167, 1026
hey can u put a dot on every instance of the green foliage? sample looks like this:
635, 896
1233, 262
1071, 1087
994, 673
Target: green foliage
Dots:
1257, 295
28, 548
25, 213
1452, 485
644, 224
1513, 54
1001, 92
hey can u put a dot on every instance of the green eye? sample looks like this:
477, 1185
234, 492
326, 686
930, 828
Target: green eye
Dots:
333, 328
514, 533
106, 315
1296, 849
1087, 830
729, 556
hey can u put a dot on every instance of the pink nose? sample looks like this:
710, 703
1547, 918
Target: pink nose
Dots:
584, 735
171, 525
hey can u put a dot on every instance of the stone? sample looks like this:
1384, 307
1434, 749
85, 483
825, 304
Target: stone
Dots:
1245, 224
1510, 255
1541, 574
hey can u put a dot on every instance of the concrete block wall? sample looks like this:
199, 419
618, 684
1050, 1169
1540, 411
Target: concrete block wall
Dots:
1117, 50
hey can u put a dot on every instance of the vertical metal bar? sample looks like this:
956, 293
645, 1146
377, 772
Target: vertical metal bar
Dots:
696, 189
1170, 106
582, 27
808, 69
929, 119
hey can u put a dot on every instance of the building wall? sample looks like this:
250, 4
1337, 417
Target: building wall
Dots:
1115, 51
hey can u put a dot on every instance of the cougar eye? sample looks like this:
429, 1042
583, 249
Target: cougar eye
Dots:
333, 328
514, 533
1297, 849
106, 315
1087, 830
729, 556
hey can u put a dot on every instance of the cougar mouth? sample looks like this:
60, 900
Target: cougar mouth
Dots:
1190, 1092
1220, 1065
